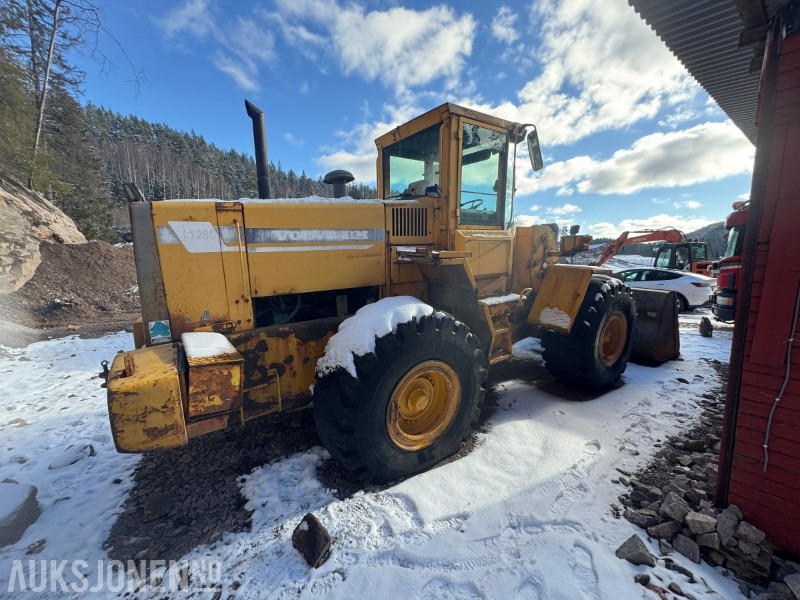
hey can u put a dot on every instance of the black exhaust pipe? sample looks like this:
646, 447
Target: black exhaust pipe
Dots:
260, 140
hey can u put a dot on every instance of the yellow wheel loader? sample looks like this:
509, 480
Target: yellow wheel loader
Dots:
386, 313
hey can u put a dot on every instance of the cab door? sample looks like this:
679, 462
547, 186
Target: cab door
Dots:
483, 196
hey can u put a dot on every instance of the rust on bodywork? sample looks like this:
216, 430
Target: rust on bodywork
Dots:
214, 383
280, 363
144, 400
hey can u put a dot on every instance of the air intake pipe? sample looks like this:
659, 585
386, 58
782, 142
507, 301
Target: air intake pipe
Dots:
260, 140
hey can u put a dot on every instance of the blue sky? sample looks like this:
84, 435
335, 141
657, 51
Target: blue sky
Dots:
629, 139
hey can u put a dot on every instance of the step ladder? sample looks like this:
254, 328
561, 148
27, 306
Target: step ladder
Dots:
497, 310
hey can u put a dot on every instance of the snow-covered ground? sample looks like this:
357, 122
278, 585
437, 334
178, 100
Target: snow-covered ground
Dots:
527, 514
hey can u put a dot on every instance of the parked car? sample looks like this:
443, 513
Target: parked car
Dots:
692, 290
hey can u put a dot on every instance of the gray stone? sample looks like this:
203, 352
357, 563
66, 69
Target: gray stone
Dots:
675, 588
312, 540
737, 512
664, 531
18, 510
635, 551
793, 583
787, 568
671, 565
642, 578
716, 558
73, 454
748, 548
687, 547
709, 540
726, 525
699, 523
675, 507
779, 591
642, 518
749, 533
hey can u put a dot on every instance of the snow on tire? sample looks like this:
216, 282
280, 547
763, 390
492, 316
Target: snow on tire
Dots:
414, 401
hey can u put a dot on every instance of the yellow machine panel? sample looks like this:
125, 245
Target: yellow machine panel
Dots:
490, 251
534, 252
215, 378
203, 290
310, 247
144, 400
560, 297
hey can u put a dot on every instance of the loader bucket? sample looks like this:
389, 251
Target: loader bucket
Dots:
657, 338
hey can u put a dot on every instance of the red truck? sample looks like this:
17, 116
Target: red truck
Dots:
728, 269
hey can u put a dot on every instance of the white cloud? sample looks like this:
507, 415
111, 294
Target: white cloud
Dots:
706, 152
745, 196
562, 211
535, 208
565, 191
503, 25
687, 204
687, 225
242, 44
602, 68
293, 140
528, 220
193, 16
400, 47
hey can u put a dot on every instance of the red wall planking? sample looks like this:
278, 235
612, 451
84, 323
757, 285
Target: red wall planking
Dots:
771, 500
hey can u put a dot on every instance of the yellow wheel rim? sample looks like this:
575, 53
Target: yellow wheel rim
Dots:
423, 405
612, 338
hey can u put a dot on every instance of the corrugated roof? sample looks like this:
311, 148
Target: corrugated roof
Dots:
704, 36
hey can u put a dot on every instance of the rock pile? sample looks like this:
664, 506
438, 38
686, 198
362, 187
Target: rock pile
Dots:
672, 499
26, 220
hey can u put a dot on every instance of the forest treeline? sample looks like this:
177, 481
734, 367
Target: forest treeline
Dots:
79, 156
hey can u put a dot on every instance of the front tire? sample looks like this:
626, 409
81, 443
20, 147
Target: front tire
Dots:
596, 352
682, 304
414, 402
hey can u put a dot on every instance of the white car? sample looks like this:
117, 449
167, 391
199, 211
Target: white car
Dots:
692, 290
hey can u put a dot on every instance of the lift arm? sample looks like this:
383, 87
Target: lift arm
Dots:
644, 235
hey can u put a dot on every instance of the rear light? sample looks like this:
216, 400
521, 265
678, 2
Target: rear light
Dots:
724, 301
702, 283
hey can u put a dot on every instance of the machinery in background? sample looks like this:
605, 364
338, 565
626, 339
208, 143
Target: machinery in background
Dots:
728, 269
677, 253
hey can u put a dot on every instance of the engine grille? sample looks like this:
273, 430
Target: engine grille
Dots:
409, 222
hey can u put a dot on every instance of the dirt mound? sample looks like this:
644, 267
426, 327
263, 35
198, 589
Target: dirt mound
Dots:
75, 285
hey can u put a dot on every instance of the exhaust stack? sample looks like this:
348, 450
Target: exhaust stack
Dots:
260, 140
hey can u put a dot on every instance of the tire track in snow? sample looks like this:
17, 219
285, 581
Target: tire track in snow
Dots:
572, 484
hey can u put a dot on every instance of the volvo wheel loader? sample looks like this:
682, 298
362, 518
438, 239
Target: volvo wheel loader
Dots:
385, 313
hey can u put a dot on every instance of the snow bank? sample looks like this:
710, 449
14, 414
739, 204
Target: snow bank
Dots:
357, 334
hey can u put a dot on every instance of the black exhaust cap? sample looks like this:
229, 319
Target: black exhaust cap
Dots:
260, 141
339, 180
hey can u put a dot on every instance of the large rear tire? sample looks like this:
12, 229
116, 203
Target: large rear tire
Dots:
596, 352
414, 402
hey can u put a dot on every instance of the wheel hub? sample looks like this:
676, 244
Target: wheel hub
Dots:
612, 337
423, 404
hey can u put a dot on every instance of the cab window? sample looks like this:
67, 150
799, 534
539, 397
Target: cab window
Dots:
699, 252
484, 165
662, 260
682, 258
411, 165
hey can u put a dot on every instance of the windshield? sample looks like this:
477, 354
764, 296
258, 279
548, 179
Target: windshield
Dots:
699, 252
484, 175
411, 165
735, 241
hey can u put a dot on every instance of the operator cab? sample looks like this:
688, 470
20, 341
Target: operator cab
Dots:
688, 256
461, 155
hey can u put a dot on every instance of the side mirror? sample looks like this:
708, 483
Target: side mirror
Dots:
534, 150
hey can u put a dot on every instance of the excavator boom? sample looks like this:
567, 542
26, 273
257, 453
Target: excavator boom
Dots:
643, 235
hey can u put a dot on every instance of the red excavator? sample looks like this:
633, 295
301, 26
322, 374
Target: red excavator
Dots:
678, 253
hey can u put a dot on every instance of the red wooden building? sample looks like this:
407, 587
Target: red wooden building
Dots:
746, 54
